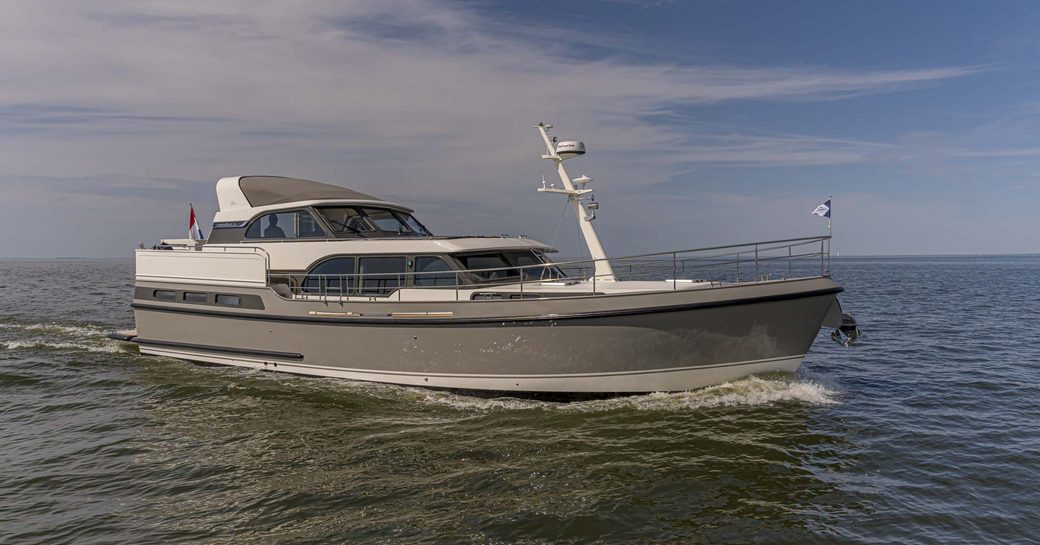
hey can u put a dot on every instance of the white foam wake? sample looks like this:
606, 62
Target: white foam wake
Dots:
110, 348
80, 331
86, 337
750, 391
72, 330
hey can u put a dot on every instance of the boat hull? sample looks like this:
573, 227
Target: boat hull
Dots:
626, 344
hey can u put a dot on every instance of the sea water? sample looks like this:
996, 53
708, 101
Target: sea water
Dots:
927, 431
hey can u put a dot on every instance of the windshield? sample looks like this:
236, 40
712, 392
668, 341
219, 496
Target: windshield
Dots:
414, 224
385, 220
346, 220
502, 269
505, 265
529, 259
372, 221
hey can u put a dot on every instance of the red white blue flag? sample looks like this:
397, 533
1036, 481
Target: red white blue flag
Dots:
194, 231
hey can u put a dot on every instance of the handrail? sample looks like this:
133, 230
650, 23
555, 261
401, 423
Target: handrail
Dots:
255, 249
804, 240
762, 255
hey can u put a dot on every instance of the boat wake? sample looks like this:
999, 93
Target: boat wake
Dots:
16, 345
751, 391
73, 330
51, 336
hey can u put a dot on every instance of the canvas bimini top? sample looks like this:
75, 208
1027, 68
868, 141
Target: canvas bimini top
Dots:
260, 210
239, 197
268, 190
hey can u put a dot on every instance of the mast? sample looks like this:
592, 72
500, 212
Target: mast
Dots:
576, 197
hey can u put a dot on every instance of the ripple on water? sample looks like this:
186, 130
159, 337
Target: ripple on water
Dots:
926, 432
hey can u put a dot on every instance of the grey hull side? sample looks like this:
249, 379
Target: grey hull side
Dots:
633, 343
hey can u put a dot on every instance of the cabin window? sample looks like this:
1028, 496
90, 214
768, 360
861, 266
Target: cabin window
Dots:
489, 261
385, 220
194, 297
346, 220
430, 266
381, 275
285, 225
164, 295
525, 259
229, 300
414, 224
332, 276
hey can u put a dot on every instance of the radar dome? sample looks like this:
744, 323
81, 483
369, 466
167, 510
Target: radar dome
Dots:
569, 149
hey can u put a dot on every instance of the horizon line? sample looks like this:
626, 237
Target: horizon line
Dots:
833, 256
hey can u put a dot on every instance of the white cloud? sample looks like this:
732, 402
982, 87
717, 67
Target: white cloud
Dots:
426, 101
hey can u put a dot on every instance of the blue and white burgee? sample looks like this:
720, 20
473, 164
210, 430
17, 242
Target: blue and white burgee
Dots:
824, 210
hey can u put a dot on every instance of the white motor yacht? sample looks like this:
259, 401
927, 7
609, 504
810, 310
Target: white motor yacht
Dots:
316, 279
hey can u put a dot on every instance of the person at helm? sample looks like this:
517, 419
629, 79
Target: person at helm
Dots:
273, 231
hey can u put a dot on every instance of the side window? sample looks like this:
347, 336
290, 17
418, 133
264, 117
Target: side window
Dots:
414, 224
430, 265
285, 225
308, 227
385, 220
382, 275
525, 259
489, 261
332, 276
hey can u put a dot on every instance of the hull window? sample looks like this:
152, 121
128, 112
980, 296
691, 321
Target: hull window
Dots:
164, 295
192, 297
229, 300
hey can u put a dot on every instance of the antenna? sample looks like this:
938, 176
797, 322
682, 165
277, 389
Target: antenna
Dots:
556, 120
577, 194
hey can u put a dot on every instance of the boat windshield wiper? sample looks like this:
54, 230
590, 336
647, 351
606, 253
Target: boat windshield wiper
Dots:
350, 228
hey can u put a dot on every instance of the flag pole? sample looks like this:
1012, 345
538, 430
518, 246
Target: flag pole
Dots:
830, 199
830, 234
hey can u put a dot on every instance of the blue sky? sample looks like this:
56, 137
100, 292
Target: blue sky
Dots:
708, 122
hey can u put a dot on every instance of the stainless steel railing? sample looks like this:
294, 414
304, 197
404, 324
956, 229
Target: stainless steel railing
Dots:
716, 265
